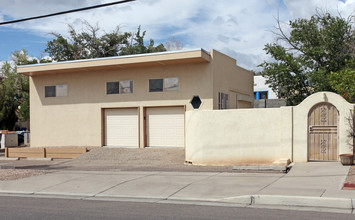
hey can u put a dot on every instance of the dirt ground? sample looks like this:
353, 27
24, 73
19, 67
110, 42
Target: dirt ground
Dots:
351, 175
108, 159
117, 159
13, 174
129, 159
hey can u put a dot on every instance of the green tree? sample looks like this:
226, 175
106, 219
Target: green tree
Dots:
304, 58
14, 90
343, 81
90, 44
136, 45
8, 101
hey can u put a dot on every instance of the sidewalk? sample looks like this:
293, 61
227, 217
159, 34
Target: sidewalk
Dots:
307, 185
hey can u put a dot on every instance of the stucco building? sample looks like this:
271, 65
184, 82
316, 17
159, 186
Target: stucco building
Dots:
264, 96
131, 101
262, 90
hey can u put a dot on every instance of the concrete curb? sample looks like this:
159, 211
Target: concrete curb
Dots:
298, 201
7, 167
9, 158
261, 168
319, 202
39, 159
287, 202
241, 200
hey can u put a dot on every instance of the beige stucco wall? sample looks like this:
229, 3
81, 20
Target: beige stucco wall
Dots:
258, 136
8, 140
300, 119
233, 80
76, 120
241, 136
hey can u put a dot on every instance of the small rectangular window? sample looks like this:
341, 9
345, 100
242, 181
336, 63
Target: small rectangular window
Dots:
61, 90
155, 85
49, 91
223, 100
263, 95
56, 91
171, 84
112, 87
126, 87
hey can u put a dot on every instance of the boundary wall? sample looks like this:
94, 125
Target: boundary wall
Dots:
258, 136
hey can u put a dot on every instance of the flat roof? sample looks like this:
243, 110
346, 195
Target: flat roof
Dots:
147, 59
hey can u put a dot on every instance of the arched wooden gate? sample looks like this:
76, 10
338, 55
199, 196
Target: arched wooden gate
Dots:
323, 133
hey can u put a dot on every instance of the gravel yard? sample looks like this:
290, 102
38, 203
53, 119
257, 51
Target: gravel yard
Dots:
117, 159
143, 159
114, 159
14, 174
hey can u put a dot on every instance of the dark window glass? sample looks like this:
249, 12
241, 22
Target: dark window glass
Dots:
112, 87
49, 91
223, 100
155, 85
254, 95
263, 95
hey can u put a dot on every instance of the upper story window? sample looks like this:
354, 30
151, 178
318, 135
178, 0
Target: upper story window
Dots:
156, 85
119, 87
223, 100
56, 91
112, 87
126, 87
171, 84
261, 95
166, 84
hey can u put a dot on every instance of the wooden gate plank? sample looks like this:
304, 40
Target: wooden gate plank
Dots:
323, 132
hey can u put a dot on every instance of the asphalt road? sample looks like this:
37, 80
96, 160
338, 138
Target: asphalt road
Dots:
43, 208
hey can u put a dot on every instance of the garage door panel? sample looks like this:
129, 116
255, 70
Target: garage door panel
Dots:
165, 127
121, 127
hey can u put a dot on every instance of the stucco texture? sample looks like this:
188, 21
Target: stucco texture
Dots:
258, 136
77, 118
244, 136
300, 133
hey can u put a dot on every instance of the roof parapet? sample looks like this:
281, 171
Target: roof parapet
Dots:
161, 58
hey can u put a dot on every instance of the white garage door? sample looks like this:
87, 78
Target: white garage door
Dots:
165, 127
121, 127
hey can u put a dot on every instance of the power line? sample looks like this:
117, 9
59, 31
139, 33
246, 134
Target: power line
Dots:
66, 12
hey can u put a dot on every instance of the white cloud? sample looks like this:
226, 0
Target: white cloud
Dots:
310, 7
239, 28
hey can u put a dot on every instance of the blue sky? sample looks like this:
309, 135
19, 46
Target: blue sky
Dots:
238, 28
13, 39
